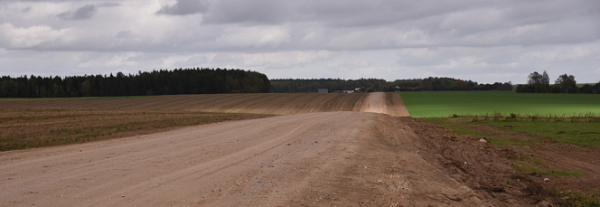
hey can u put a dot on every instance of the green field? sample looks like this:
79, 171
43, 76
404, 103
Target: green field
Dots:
448, 103
576, 133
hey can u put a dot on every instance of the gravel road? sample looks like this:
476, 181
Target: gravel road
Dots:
312, 159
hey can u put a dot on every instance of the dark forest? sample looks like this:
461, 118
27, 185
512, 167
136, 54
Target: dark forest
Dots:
369, 85
157, 82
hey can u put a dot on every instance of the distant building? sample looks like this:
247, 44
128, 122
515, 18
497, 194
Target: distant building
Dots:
349, 90
323, 90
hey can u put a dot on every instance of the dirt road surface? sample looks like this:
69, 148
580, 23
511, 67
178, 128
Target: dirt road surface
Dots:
312, 159
384, 103
375, 103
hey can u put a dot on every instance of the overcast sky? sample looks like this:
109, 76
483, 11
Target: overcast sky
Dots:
485, 41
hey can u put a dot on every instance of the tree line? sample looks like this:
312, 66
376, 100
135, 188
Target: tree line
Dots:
368, 85
445, 84
156, 82
540, 83
312, 85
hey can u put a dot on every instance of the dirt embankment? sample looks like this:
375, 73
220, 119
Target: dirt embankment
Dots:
484, 168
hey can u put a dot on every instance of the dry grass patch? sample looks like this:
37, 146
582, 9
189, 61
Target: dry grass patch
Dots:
24, 127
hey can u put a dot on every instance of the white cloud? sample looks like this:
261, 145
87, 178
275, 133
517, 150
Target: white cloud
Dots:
34, 36
276, 60
255, 36
463, 62
111, 61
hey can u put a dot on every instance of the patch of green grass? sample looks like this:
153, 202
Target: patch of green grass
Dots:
573, 199
523, 167
540, 163
456, 127
447, 103
460, 126
576, 133
568, 174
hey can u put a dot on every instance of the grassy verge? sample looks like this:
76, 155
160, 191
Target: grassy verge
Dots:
520, 132
576, 199
530, 165
464, 126
25, 127
577, 130
576, 133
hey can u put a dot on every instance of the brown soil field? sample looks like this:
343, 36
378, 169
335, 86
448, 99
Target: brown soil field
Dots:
24, 127
292, 103
338, 158
28, 123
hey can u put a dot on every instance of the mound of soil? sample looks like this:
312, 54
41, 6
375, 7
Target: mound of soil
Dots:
489, 169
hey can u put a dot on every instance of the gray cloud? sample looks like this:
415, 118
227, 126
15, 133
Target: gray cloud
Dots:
81, 13
109, 4
486, 41
254, 12
185, 7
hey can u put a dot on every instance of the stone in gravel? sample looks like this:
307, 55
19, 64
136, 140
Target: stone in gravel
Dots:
546, 179
482, 140
289, 143
122, 195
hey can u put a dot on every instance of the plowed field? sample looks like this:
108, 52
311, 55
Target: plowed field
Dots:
228, 103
